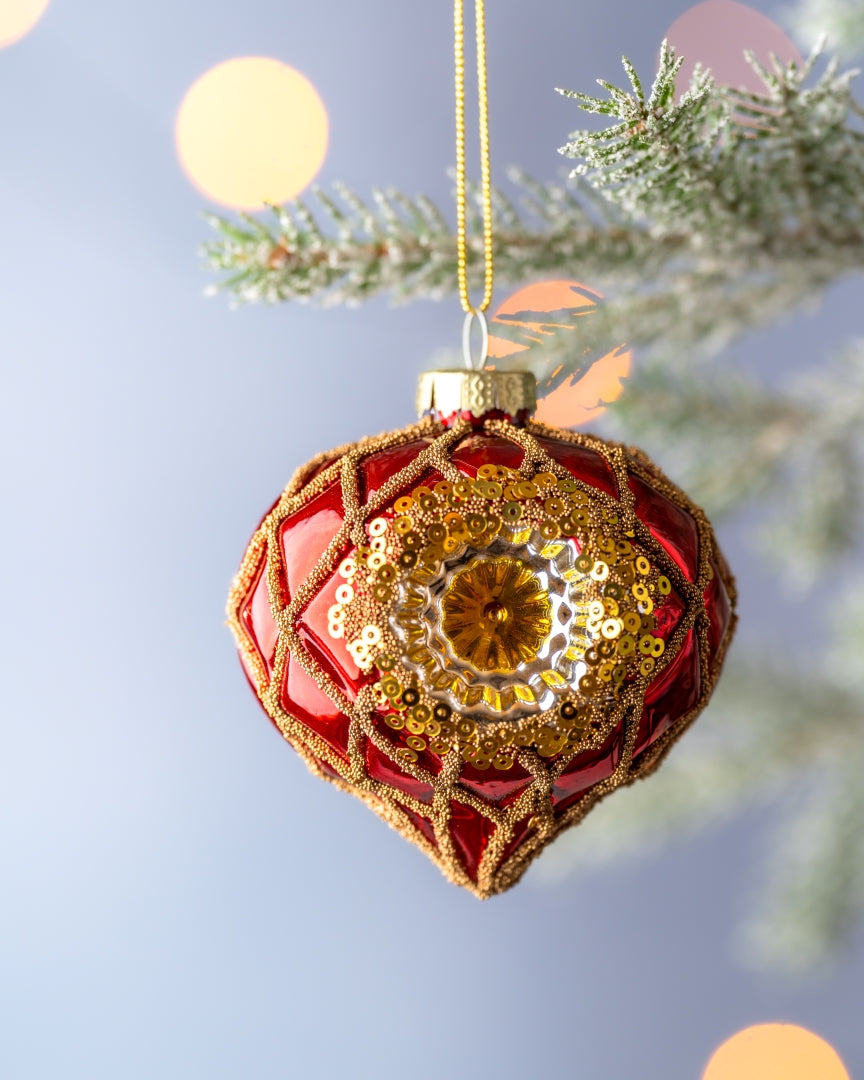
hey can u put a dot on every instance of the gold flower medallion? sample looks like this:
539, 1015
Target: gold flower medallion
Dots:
496, 614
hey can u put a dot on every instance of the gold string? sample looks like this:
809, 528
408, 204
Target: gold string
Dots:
485, 174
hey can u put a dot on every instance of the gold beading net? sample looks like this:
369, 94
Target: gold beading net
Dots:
502, 619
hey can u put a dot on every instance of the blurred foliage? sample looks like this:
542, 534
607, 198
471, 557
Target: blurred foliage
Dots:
702, 215
839, 22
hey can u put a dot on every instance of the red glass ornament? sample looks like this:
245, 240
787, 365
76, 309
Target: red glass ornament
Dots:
481, 819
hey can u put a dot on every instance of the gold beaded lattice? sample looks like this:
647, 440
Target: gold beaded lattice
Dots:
391, 568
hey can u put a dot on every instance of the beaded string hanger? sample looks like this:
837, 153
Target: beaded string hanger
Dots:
473, 312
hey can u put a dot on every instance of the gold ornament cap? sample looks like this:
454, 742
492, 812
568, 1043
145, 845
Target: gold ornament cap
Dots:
476, 392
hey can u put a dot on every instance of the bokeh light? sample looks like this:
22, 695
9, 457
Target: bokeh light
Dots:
776, 1052
18, 17
251, 130
545, 308
715, 35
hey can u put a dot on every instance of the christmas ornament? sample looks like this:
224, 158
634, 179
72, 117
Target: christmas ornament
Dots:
481, 625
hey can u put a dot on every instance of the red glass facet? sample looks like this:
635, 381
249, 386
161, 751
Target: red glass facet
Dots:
383, 466
349, 683
307, 533
499, 788
673, 527
315, 620
672, 694
422, 824
306, 702
471, 833
523, 830
583, 463
258, 621
719, 610
586, 770
477, 450
668, 615
381, 767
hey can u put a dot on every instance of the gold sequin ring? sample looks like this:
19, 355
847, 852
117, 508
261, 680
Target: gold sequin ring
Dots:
499, 598
448, 619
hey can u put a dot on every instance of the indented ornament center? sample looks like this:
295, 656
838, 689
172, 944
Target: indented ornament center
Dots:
496, 614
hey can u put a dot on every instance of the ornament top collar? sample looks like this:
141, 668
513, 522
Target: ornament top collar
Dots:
448, 395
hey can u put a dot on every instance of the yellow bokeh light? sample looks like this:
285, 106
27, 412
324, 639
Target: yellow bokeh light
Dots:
251, 130
776, 1052
577, 400
18, 17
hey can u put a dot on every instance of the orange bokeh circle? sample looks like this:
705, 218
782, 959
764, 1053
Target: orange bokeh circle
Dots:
776, 1052
250, 131
545, 307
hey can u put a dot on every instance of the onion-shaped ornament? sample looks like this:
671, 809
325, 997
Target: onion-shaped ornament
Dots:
481, 625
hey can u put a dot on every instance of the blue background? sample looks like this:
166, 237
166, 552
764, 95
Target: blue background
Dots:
181, 899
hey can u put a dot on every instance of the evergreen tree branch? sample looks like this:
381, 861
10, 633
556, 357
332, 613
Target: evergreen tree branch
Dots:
814, 881
405, 247
729, 441
704, 216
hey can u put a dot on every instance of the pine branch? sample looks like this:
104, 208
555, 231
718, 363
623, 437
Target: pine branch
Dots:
815, 876
753, 180
349, 252
731, 441
704, 217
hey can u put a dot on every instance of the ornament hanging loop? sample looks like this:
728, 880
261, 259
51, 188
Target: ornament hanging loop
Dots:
467, 326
